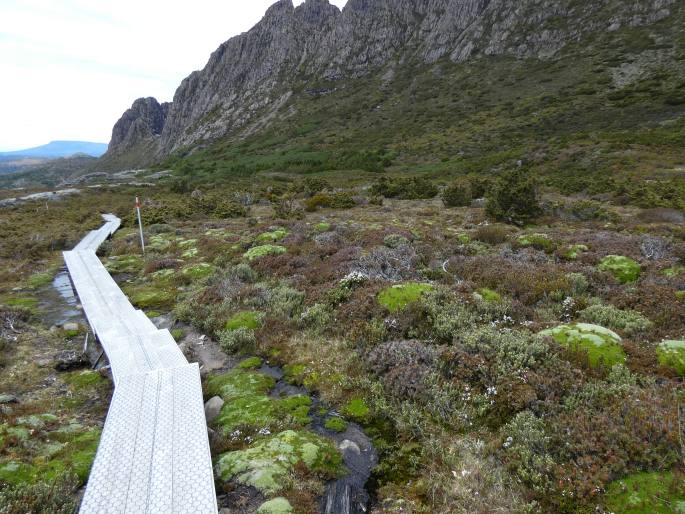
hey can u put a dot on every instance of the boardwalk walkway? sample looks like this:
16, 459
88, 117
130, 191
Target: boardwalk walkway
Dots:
154, 455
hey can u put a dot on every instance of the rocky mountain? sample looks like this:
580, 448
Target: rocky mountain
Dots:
135, 137
294, 54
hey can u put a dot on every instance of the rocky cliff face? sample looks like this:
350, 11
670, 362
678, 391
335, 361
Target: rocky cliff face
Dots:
251, 78
144, 120
135, 137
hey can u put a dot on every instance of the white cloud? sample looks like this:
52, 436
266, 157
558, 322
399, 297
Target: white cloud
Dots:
71, 68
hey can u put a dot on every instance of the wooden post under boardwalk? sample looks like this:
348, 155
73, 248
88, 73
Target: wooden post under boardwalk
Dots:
140, 225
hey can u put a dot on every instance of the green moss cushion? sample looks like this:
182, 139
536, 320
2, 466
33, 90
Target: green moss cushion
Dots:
276, 506
266, 465
397, 297
264, 250
672, 355
625, 270
646, 493
245, 319
603, 346
273, 236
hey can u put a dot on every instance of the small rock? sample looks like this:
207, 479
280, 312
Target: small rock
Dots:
69, 360
348, 445
8, 398
43, 363
212, 408
71, 327
225, 510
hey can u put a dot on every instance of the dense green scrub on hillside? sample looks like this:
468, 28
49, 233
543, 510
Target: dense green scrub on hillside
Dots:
592, 119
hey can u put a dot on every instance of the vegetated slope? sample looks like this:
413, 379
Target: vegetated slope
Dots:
451, 85
47, 164
46, 173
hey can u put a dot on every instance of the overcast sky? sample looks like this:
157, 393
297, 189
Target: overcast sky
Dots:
70, 68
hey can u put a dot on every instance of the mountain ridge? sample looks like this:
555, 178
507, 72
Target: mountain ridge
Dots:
259, 77
60, 148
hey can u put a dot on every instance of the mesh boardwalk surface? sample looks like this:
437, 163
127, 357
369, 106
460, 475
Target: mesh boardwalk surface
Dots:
153, 456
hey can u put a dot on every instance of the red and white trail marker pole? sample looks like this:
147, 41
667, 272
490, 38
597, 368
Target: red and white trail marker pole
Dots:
140, 225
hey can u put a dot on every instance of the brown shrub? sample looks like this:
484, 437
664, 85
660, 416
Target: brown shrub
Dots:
393, 354
661, 215
160, 264
361, 306
284, 265
523, 282
604, 242
492, 234
656, 302
598, 445
408, 382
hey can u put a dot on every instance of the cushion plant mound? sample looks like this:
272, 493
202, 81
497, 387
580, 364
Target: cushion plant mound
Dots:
276, 506
149, 296
247, 412
672, 355
336, 424
40, 279
646, 493
190, 253
267, 464
217, 233
673, 271
487, 295
258, 412
237, 383
264, 250
463, 238
357, 409
131, 263
273, 236
572, 252
248, 404
198, 271
624, 269
603, 346
251, 363
538, 241
397, 297
245, 319
67, 452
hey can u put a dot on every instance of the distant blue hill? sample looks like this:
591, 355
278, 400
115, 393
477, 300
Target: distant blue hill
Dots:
56, 149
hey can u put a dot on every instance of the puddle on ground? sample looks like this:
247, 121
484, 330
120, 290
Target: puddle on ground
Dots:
58, 303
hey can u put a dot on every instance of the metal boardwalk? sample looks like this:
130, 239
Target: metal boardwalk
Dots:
153, 456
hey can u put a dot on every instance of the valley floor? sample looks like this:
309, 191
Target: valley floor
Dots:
429, 359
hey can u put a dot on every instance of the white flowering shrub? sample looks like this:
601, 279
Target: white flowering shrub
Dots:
526, 450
